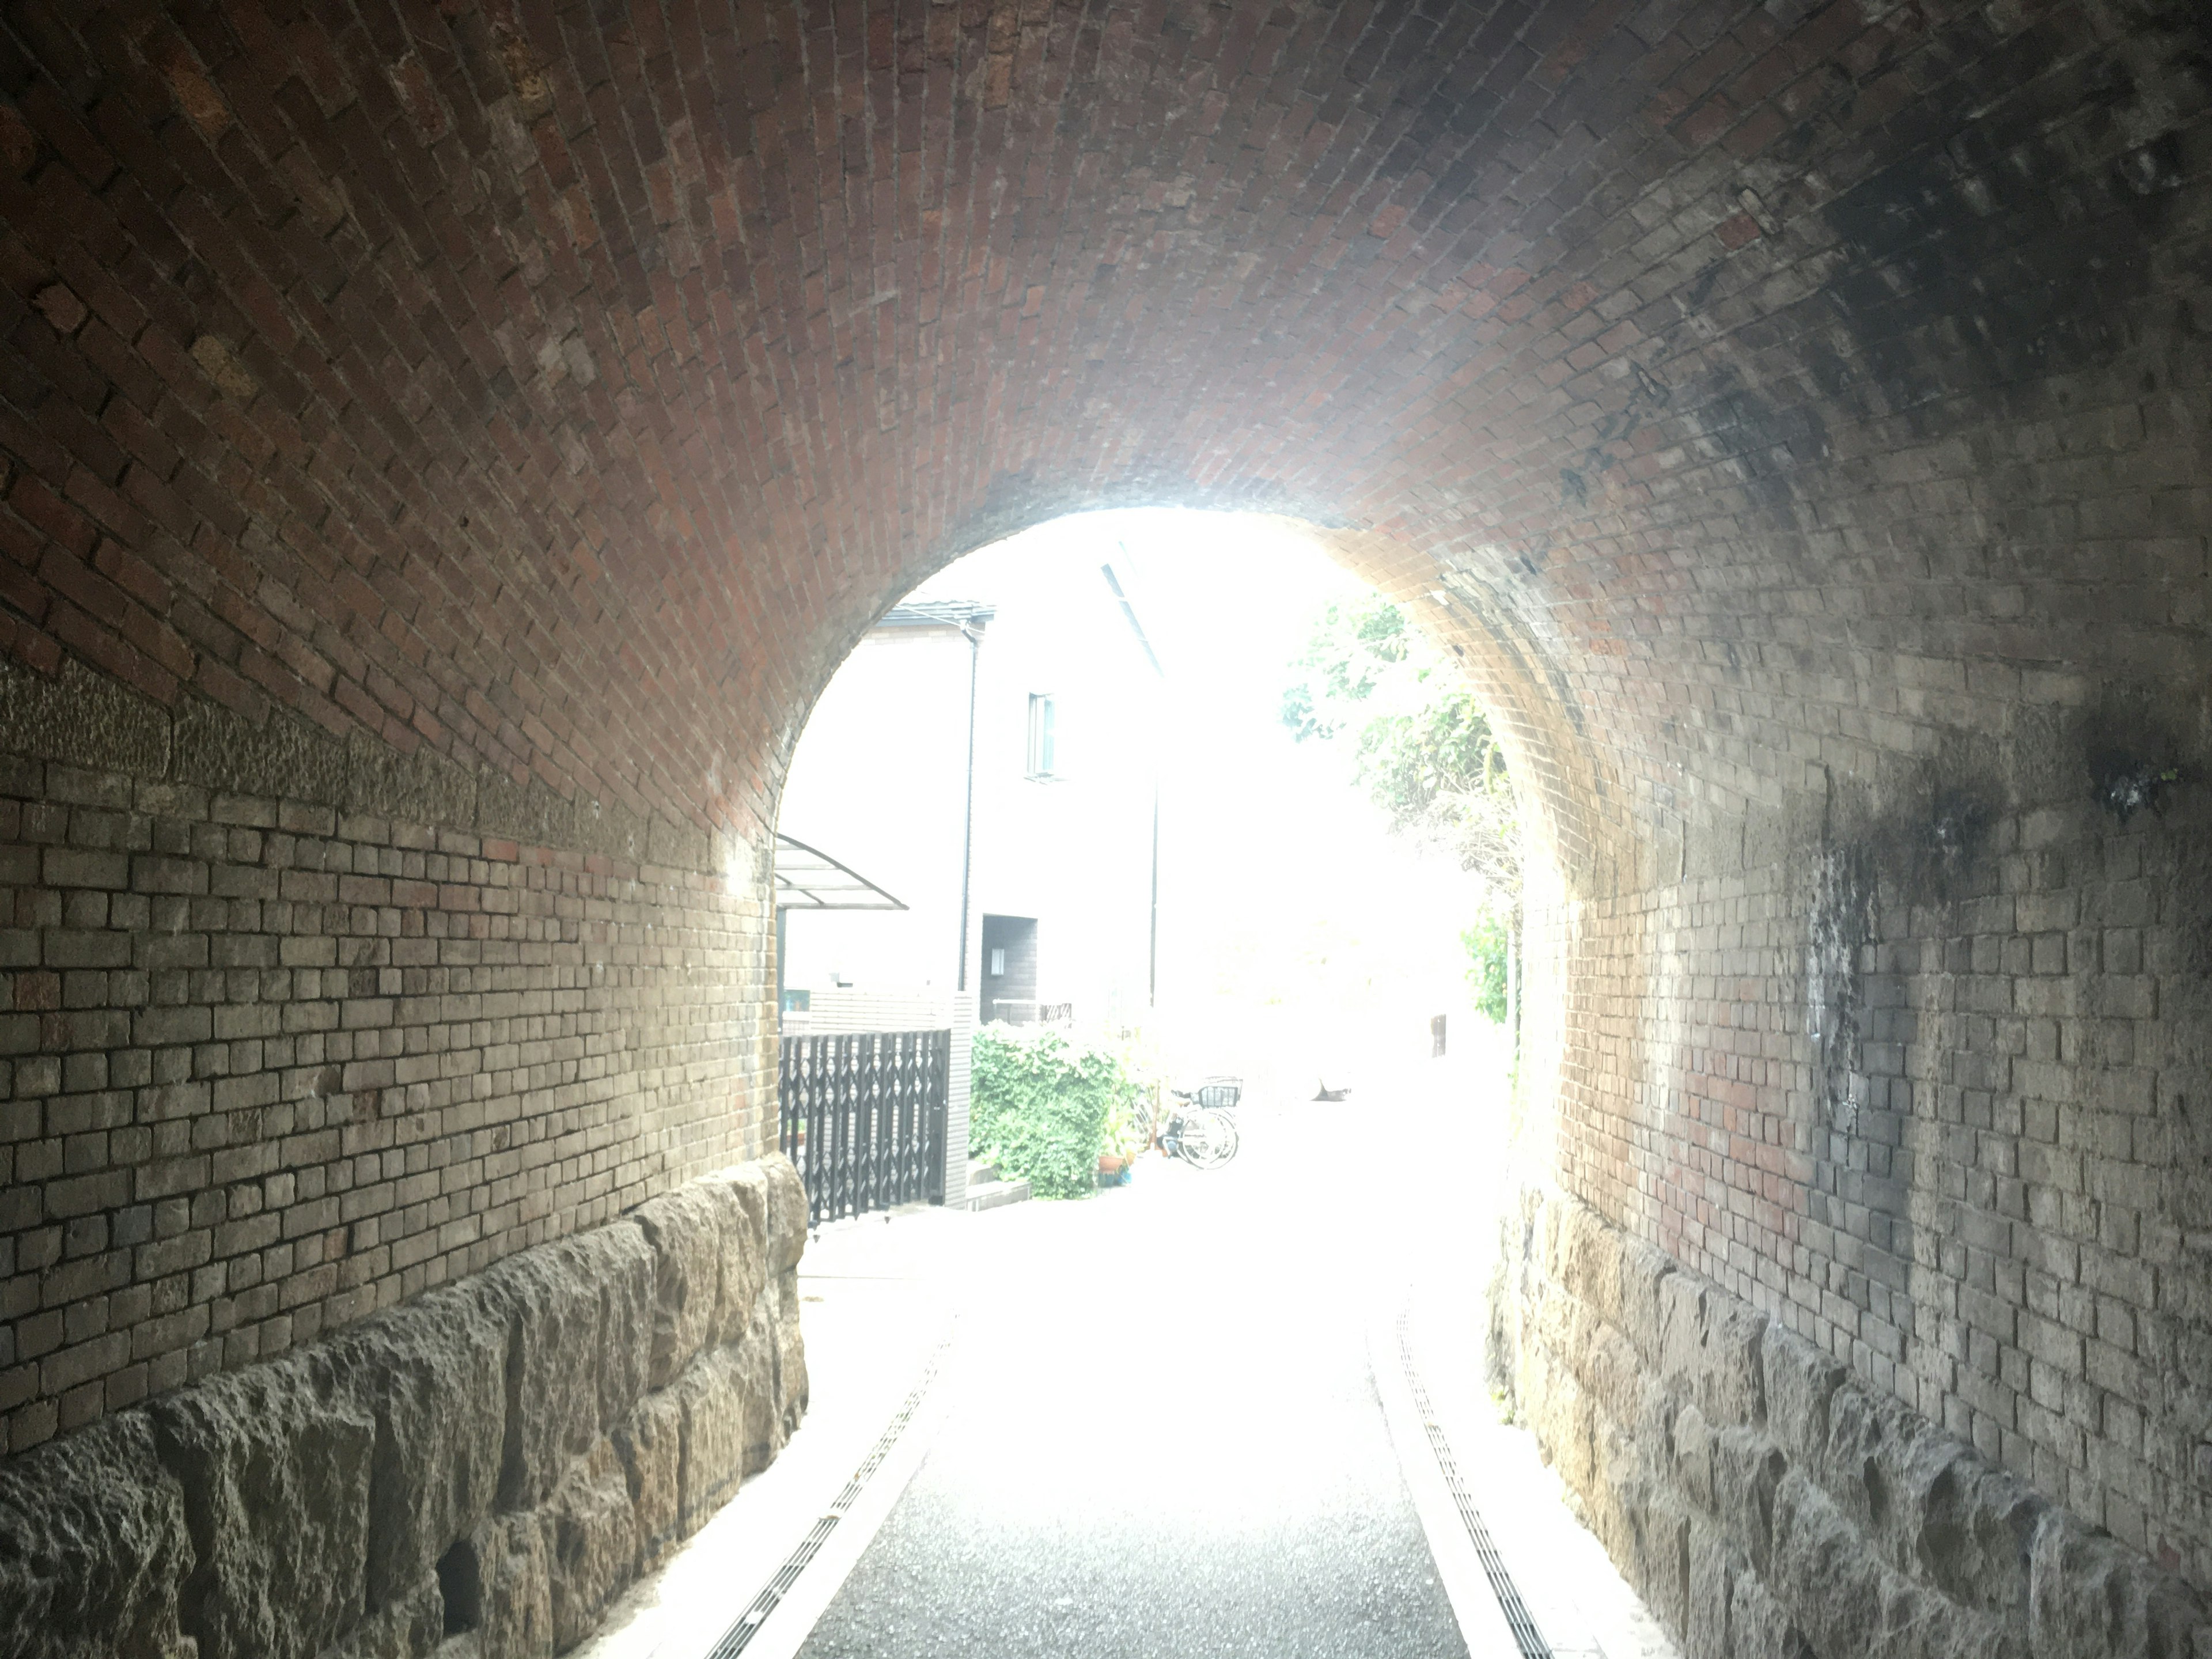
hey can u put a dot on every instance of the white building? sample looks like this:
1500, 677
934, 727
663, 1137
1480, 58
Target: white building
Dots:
991, 760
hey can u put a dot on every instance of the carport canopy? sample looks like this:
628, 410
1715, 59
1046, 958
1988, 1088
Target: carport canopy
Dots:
807, 879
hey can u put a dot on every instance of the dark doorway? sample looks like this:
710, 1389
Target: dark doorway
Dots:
1010, 970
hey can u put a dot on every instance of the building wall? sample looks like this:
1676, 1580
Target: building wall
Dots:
878, 782
1073, 851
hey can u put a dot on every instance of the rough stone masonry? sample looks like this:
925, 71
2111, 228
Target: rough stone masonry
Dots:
475, 1475
446, 444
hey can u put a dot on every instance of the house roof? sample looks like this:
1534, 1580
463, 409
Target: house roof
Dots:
809, 880
936, 613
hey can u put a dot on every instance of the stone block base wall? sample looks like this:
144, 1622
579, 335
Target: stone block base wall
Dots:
1767, 1506
474, 1474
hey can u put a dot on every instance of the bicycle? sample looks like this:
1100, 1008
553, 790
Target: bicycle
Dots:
1213, 1094
1204, 1139
1198, 1130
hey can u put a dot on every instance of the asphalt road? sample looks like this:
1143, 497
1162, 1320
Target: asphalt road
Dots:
1162, 1437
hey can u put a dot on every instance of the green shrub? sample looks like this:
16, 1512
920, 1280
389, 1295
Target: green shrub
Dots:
1040, 1106
1122, 1137
1486, 944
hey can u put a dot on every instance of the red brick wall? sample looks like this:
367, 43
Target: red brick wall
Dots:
270, 1066
512, 410
1991, 1198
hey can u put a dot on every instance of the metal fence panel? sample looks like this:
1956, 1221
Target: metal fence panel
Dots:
863, 1118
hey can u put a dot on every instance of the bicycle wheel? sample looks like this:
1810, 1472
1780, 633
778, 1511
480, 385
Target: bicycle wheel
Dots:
1209, 1140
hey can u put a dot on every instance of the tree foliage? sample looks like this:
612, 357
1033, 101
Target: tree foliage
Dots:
1420, 742
1041, 1107
1487, 944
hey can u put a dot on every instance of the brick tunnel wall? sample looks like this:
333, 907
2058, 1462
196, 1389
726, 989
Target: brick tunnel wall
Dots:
448, 445
296, 1035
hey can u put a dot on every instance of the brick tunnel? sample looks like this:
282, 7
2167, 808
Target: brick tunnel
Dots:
448, 445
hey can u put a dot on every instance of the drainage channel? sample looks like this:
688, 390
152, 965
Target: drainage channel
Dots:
1526, 1636
740, 1634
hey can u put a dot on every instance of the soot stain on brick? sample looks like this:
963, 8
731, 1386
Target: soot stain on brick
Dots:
1842, 925
2131, 758
2152, 167
1768, 443
2178, 864
1954, 833
1837, 379
1647, 395
2000, 245
1930, 846
1701, 289
2123, 783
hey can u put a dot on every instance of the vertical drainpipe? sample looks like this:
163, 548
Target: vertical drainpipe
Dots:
974, 639
1159, 674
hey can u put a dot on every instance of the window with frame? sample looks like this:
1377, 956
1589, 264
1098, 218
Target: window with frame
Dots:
1044, 735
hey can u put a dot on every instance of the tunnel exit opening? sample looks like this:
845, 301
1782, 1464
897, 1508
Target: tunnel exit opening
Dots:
1213, 807
1212, 795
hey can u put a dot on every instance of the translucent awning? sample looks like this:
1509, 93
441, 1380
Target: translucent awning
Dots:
806, 879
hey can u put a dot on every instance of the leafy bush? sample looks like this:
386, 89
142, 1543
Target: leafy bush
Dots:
1486, 944
1041, 1107
1122, 1137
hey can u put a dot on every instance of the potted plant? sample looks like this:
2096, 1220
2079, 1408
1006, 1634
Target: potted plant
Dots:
1118, 1154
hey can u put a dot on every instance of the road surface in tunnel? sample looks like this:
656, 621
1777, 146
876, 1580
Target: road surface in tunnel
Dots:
1163, 1436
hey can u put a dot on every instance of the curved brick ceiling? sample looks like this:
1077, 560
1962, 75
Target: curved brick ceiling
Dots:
562, 386
1795, 413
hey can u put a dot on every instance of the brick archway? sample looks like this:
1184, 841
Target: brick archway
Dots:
460, 439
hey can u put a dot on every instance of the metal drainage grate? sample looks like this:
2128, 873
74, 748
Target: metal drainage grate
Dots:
1526, 1636
736, 1638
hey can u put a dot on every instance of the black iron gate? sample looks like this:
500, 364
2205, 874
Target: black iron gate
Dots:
863, 1117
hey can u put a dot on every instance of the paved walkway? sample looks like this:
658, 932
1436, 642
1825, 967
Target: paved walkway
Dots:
1161, 1438
1154, 1427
